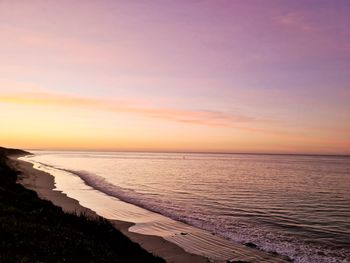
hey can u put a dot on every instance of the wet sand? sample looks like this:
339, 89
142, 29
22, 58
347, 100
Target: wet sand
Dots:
43, 184
35, 230
159, 235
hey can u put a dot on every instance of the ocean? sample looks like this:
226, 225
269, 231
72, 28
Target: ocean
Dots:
293, 205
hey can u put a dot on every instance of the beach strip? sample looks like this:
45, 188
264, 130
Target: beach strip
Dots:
172, 240
35, 230
43, 183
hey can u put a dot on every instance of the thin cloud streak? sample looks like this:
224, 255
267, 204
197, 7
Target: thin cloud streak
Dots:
200, 117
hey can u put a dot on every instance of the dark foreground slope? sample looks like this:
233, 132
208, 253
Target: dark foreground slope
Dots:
34, 230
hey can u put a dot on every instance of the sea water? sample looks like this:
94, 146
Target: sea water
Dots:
294, 205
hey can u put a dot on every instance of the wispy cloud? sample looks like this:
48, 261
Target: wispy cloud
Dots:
330, 37
200, 117
295, 20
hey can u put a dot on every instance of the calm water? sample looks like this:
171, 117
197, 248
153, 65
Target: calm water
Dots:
297, 206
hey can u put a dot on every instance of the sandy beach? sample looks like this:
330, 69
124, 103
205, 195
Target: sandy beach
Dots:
33, 229
43, 183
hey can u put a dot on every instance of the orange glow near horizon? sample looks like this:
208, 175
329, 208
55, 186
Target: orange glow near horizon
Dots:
71, 123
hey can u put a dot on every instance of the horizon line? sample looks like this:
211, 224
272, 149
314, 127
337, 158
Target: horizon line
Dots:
190, 152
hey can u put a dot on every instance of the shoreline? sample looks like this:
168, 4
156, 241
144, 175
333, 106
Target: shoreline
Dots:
43, 184
177, 248
33, 229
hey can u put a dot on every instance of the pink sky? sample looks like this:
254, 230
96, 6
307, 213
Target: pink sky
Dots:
262, 76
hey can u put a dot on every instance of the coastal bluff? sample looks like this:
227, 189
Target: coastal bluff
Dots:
35, 230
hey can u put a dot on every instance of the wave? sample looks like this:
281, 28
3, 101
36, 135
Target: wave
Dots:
291, 247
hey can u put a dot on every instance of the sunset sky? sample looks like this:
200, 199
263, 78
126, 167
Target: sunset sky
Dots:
216, 76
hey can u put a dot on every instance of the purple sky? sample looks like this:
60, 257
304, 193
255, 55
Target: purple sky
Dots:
266, 76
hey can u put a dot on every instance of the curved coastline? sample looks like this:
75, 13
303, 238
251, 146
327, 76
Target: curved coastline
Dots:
44, 184
35, 230
172, 240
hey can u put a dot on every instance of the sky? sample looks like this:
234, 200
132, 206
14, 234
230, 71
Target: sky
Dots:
265, 76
